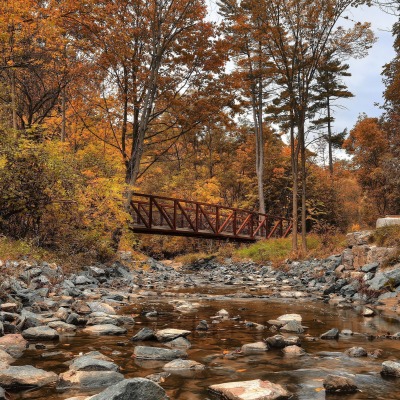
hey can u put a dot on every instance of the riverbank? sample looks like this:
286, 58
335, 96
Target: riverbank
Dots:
46, 315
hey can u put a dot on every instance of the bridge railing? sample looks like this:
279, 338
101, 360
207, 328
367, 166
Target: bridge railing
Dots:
165, 215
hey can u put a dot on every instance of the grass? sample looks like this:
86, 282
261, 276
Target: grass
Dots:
387, 236
278, 250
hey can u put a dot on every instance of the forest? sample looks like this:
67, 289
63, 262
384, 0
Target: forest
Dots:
99, 100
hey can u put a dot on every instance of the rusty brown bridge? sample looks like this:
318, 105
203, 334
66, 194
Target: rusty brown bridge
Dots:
169, 216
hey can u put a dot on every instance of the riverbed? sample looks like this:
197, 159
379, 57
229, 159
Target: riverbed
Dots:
218, 348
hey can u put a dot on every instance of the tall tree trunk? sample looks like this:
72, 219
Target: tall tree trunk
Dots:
294, 161
328, 107
13, 100
63, 116
303, 183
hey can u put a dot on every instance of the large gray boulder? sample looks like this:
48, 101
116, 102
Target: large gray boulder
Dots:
133, 389
88, 379
40, 333
158, 353
26, 376
144, 334
87, 363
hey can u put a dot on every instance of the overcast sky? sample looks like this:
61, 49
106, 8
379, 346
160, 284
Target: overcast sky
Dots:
366, 80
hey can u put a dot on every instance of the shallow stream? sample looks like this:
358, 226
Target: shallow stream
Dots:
303, 376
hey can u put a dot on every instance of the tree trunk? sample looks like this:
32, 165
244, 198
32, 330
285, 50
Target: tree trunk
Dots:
303, 185
328, 107
294, 161
63, 116
13, 101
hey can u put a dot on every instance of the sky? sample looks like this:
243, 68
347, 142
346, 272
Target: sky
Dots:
366, 80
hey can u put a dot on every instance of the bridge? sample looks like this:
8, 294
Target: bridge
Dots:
169, 216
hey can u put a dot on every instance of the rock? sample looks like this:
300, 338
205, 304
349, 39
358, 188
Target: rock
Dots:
276, 342
180, 343
87, 363
389, 220
181, 365
290, 317
9, 307
223, 313
105, 329
339, 384
166, 335
254, 390
144, 334
356, 352
331, 334
133, 389
102, 307
347, 332
14, 344
80, 307
40, 333
372, 267
202, 326
1, 329
62, 327
293, 351
158, 353
368, 312
2, 394
62, 314
88, 379
26, 376
258, 347
5, 358
358, 238
378, 282
389, 368
292, 326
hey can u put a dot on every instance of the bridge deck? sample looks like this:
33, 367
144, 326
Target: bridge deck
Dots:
169, 216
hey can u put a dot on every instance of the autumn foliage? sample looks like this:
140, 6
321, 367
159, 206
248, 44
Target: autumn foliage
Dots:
99, 99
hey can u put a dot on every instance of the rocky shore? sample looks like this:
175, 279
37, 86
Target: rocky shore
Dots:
39, 303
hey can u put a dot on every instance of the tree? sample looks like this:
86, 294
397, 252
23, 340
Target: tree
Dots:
150, 59
328, 88
297, 35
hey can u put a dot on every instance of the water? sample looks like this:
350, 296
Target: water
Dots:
216, 348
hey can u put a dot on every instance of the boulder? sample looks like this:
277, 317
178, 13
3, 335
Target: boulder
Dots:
202, 326
165, 335
372, 267
102, 307
143, 335
258, 347
179, 343
339, 384
5, 359
2, 394
331, 334
183, 365
276, 342
14, 344
62, 327
356, 352
40, 333
292, 326
26, 376
88, 379
158, 353
104, 329
133, 389
389, 368
293, 351
254, 390
290, 317
358, 238
87, 363
368, 312
9, 307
